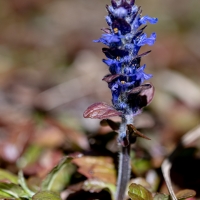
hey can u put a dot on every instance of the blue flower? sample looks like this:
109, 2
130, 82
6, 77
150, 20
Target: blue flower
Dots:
124, 39
151, 20
109, 39
141, 75
143, 40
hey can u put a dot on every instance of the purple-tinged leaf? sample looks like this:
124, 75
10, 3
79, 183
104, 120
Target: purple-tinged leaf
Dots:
109, 78
122, 25
100, 111
108, 10
148, 93
139, 32
143, 54
106, 30
133, 131
132, 2
141, 96
113, 53
114, 4
108, 122
125, 5
140, 88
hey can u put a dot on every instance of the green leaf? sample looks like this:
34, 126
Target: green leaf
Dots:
95, 185
63, 177
159, 196
4, 195
183, 194
5, 175
139, 165
48, 181
138, 192
46, 195
30, 155
12, 190
22, 183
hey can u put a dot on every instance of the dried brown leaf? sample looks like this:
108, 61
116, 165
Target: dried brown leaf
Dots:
185, 194
132, 130
100, 168
16, 138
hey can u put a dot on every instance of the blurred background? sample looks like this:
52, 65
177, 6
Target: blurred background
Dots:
50, 68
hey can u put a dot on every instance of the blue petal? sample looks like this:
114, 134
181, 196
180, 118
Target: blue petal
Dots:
146, 19
115, 69
108, 20
122, 106
134, 9
141, 75
115, 97
102, 41
114, 86
128, 71
120, 12
129, 46
108, 62
144, 40
136, 23
125, 59
108, 39
111, 38
114, 66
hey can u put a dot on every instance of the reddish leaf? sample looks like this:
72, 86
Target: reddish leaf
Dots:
108, 78
140, 88
106, 30
149, 93
100, 111
142, 95
144, 54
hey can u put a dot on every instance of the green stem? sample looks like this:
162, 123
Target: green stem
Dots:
22, 182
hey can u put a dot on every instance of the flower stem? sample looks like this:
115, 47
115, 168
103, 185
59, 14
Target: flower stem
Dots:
123, 172
124, 162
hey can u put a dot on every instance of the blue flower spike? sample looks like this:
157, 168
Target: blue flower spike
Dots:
124, 37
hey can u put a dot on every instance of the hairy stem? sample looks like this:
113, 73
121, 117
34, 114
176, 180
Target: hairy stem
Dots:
123, 172
124, 163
